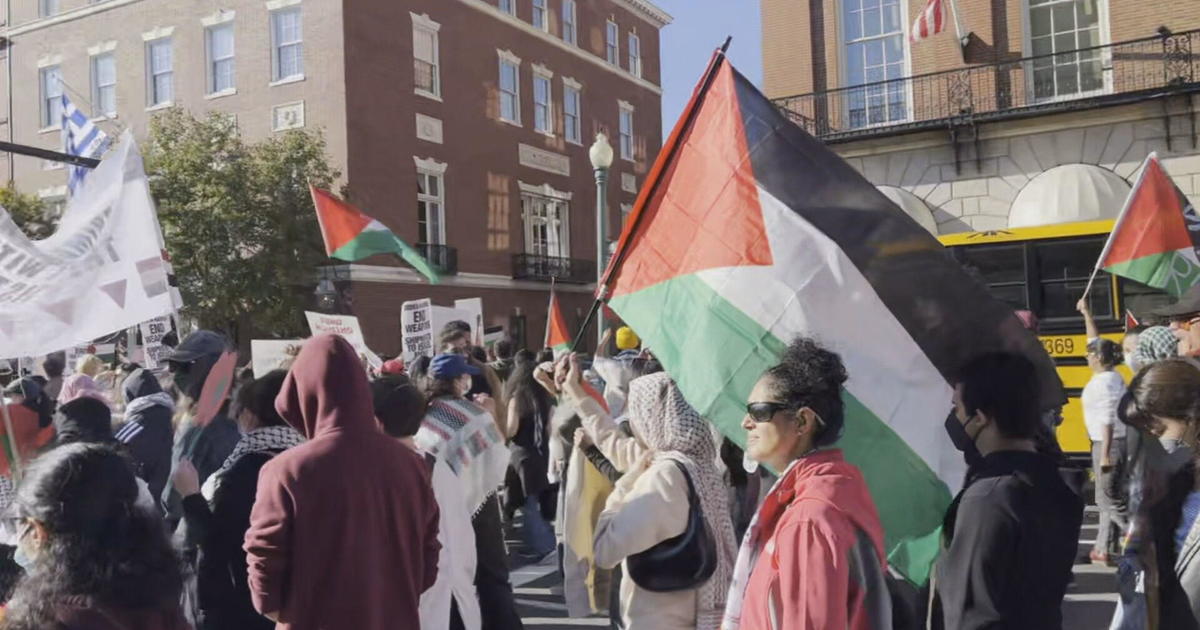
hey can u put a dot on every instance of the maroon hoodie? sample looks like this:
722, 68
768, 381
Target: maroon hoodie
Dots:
343, 533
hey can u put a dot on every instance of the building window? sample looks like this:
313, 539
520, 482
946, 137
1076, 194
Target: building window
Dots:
510, 90
635, 55
160, 71
104, 85
611, 43
51, 88
546, 227
287, 45
539, 15
431, 218
46, 8
874, 40
1057, 27
571, 114
542, 118
569, 33
626, 131
426, 71
220, 58
508, 6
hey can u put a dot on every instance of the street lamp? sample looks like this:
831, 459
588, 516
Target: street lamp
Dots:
601, 155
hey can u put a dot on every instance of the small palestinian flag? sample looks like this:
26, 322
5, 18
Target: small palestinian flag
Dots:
1153, 242
1131, 322
558, 338
749, 233
351, 235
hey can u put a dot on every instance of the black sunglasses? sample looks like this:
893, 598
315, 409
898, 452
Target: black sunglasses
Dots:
764, 411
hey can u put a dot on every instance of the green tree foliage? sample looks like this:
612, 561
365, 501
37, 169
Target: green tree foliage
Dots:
238, 220
29, 212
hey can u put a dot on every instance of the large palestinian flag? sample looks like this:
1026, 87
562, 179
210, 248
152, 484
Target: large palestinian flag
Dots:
1153, 241
351, 235
749, 233
558, 337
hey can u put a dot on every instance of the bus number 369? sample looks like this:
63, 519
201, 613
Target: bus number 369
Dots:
1059, 346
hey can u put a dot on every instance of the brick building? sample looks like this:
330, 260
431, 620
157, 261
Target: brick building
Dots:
463, 125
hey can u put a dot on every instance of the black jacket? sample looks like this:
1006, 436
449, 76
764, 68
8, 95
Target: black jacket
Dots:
1012, 535
220, 529
147, 431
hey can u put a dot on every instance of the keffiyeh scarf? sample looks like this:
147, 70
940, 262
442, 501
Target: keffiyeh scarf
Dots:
465, 436
260, 440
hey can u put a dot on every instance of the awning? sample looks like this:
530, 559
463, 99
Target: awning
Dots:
1069, 193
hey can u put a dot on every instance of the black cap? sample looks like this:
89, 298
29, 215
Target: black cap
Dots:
197, 345
1186, 305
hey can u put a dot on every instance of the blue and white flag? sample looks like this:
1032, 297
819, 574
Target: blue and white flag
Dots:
81, 137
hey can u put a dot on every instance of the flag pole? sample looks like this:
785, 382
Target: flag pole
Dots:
963, 40
665, 156
14, 465
1120, 221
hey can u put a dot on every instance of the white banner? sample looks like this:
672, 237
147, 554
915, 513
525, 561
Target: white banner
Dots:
272, 354
416, 329
102, 271
474, 306
346, 326
153, 350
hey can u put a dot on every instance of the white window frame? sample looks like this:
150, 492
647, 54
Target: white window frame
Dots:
422, 25
570, 22
572, 130
1106, 62
152, 96
546, 198
50, 97
625, 147
210, 89
635, 55
540, 8
432, 168
507, 59
98, 109
507, 6
48, 8
905, 71
612, 43
546, 77
277, 46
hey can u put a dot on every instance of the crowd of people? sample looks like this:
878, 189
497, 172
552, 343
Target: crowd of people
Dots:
323, 495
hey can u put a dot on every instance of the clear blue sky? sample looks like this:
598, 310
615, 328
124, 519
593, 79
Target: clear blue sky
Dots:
687, 44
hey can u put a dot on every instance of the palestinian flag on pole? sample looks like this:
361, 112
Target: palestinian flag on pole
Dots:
351, 235
558, 337
749, 233
1153, 241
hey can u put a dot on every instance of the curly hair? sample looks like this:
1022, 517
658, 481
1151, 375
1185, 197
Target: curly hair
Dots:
99, 546
808, 375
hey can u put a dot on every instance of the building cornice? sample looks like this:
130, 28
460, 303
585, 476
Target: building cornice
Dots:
406, 275
647, 11
69, 15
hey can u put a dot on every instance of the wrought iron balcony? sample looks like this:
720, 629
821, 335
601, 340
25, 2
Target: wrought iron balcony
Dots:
547, 268
1080, 79
443, 257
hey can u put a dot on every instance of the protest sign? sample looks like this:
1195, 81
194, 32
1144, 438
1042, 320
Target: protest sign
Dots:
216, 388
443, 315
102, 271
474, 306
153, 350
416, 328
346, 326
272, 354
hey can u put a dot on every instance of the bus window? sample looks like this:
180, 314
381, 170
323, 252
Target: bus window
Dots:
1141, 300
1063, 271
1000, 267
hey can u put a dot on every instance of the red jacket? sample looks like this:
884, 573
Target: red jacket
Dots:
343, 533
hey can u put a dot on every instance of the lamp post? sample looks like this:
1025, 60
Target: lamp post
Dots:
601, 155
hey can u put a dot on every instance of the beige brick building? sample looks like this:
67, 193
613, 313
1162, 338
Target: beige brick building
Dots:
463, 125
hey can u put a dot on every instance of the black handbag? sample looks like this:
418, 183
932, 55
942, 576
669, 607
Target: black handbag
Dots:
680, 563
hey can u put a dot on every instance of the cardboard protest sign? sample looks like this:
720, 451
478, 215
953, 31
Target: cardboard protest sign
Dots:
102, 271
153, 350
473, 306
216, 389
416, 329
345, 326
443, 315
272, 354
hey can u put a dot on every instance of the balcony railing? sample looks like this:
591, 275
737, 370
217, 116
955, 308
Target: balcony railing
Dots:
425, 76
547, 268
1079, 79
443, 257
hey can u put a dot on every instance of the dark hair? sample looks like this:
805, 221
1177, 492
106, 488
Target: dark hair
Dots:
546, 355
100, 546
479, 353
451, 334
504, 349
54, 365
418, 370
1004, 386
35, 398
84, 419
525, 356
1169, 388
1106, 351
440, 388
808, 375
258, 397
529, 395
399, 405
457, 325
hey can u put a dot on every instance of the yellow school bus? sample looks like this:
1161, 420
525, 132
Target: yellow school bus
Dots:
1045, 270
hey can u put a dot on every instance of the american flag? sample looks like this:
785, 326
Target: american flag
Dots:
931, 21
80, 137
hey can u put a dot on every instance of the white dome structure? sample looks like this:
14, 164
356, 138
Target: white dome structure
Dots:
1069, 193
912, 205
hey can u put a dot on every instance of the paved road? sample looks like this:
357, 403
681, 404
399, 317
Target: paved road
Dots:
1088, 606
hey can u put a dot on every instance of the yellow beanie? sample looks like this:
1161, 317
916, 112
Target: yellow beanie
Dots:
627, 339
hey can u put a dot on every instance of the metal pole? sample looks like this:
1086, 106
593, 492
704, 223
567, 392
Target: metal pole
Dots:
8, 62
601, 224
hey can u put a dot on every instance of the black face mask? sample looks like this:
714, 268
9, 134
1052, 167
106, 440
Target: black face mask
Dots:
962, 440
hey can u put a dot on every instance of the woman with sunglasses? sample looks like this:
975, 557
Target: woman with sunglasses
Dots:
92, 560
813, 557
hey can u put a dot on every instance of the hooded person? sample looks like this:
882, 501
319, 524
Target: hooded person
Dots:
89, 420
147, 433
343, 532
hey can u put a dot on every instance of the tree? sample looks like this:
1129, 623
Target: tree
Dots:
238, 220
29, 212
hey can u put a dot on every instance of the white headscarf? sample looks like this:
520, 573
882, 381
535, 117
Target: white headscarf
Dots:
673, 430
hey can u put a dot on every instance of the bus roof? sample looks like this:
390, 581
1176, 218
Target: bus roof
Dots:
1041, 232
